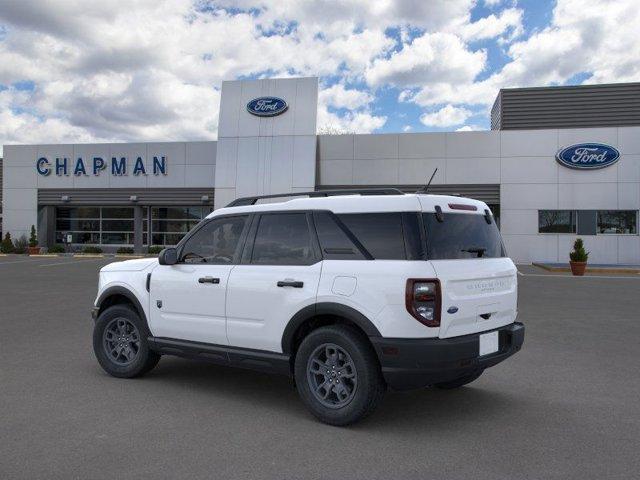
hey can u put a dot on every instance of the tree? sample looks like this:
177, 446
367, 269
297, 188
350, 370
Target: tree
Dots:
33, 238
7, 244
331, 129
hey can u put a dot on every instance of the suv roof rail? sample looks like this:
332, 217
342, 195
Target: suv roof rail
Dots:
245, 201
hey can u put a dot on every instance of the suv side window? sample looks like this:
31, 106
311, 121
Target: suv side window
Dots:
217, 242
380, 233
283, 239
334, 242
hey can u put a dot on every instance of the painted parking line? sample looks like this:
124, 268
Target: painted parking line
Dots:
72, 262
30, 260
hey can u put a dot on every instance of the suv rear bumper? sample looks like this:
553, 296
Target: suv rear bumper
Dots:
414, 363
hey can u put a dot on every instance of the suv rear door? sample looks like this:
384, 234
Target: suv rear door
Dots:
478, 281
278, 276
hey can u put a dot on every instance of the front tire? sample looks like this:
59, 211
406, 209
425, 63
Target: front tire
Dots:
338, 376
120, 343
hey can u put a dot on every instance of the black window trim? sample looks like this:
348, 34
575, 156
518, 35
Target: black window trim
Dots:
247, 251
243, 236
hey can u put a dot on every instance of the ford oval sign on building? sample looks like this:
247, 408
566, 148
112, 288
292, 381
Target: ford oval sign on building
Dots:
588, 156
267, 106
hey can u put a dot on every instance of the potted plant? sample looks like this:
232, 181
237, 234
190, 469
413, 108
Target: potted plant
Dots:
20, 245
578, 258
33, 249
7, 244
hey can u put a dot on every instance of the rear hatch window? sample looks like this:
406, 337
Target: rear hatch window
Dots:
462, 235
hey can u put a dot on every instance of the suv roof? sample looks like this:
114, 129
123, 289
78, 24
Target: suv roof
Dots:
360, 203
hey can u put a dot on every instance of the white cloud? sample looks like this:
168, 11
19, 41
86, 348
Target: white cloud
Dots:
469, 128
407, 128
509, 22
447, 116
432, 57
340, 97
597, 38
358, 122
151, 70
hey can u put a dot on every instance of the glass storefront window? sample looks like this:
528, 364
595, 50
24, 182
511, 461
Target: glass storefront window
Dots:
556, 221
95, 225
170, 224
618, 221
115, 225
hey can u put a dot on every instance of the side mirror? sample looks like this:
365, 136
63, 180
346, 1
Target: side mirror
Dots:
168, 256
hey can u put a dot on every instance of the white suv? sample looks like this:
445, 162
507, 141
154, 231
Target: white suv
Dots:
347, 292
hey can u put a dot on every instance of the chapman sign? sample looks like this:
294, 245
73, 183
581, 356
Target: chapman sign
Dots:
267, 106
118, 166
588, 156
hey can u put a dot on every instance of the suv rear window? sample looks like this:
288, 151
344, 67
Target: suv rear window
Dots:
462, 235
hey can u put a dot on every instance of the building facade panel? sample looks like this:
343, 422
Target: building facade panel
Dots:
473, 144
529, 143
540, 204
428, 145
336, 147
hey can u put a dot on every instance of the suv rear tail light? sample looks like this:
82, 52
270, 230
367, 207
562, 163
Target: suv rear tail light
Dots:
422, 299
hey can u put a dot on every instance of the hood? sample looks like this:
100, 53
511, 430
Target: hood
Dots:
134, 265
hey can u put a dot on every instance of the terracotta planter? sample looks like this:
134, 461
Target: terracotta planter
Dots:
33, 250
578, 268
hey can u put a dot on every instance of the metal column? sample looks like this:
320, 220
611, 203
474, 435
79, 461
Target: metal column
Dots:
138, 216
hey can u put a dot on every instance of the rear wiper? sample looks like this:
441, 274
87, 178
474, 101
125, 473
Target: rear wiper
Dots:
477, 250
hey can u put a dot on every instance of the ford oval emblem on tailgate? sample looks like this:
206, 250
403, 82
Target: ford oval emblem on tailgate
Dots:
452, 310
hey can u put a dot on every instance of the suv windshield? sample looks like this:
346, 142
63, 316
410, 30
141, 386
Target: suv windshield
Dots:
462, 235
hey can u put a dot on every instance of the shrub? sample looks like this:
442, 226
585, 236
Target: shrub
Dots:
20, 245
7, 244
33, 238
91, 249
125, 250
57, 248
155, 249
579, 254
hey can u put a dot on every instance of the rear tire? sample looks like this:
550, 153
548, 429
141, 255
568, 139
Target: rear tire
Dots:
120, 343
459, 382
338, 376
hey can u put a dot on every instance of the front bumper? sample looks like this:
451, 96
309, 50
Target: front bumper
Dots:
415, 363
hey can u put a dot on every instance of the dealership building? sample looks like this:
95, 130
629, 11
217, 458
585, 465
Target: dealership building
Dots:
559, 162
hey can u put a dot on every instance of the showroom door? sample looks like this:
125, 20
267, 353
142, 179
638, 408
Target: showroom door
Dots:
187, 300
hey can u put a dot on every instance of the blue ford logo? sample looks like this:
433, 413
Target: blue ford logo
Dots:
588, 156
267, 106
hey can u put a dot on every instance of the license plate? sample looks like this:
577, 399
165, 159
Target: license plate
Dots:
489, 343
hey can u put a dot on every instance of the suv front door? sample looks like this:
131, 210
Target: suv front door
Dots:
278, 276
188, 298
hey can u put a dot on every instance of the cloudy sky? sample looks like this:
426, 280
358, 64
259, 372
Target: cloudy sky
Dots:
84, 71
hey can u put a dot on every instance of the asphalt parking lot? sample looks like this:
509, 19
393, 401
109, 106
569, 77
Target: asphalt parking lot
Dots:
566, 406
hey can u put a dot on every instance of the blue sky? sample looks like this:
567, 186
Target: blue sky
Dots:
77, 71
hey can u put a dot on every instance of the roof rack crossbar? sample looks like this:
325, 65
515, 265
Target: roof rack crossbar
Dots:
245, 201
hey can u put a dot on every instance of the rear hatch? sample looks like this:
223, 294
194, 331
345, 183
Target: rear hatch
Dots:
478, 282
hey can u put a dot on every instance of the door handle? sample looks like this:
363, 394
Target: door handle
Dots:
215, 281
290, 283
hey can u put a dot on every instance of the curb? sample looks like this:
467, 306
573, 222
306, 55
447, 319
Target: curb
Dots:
589, 269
